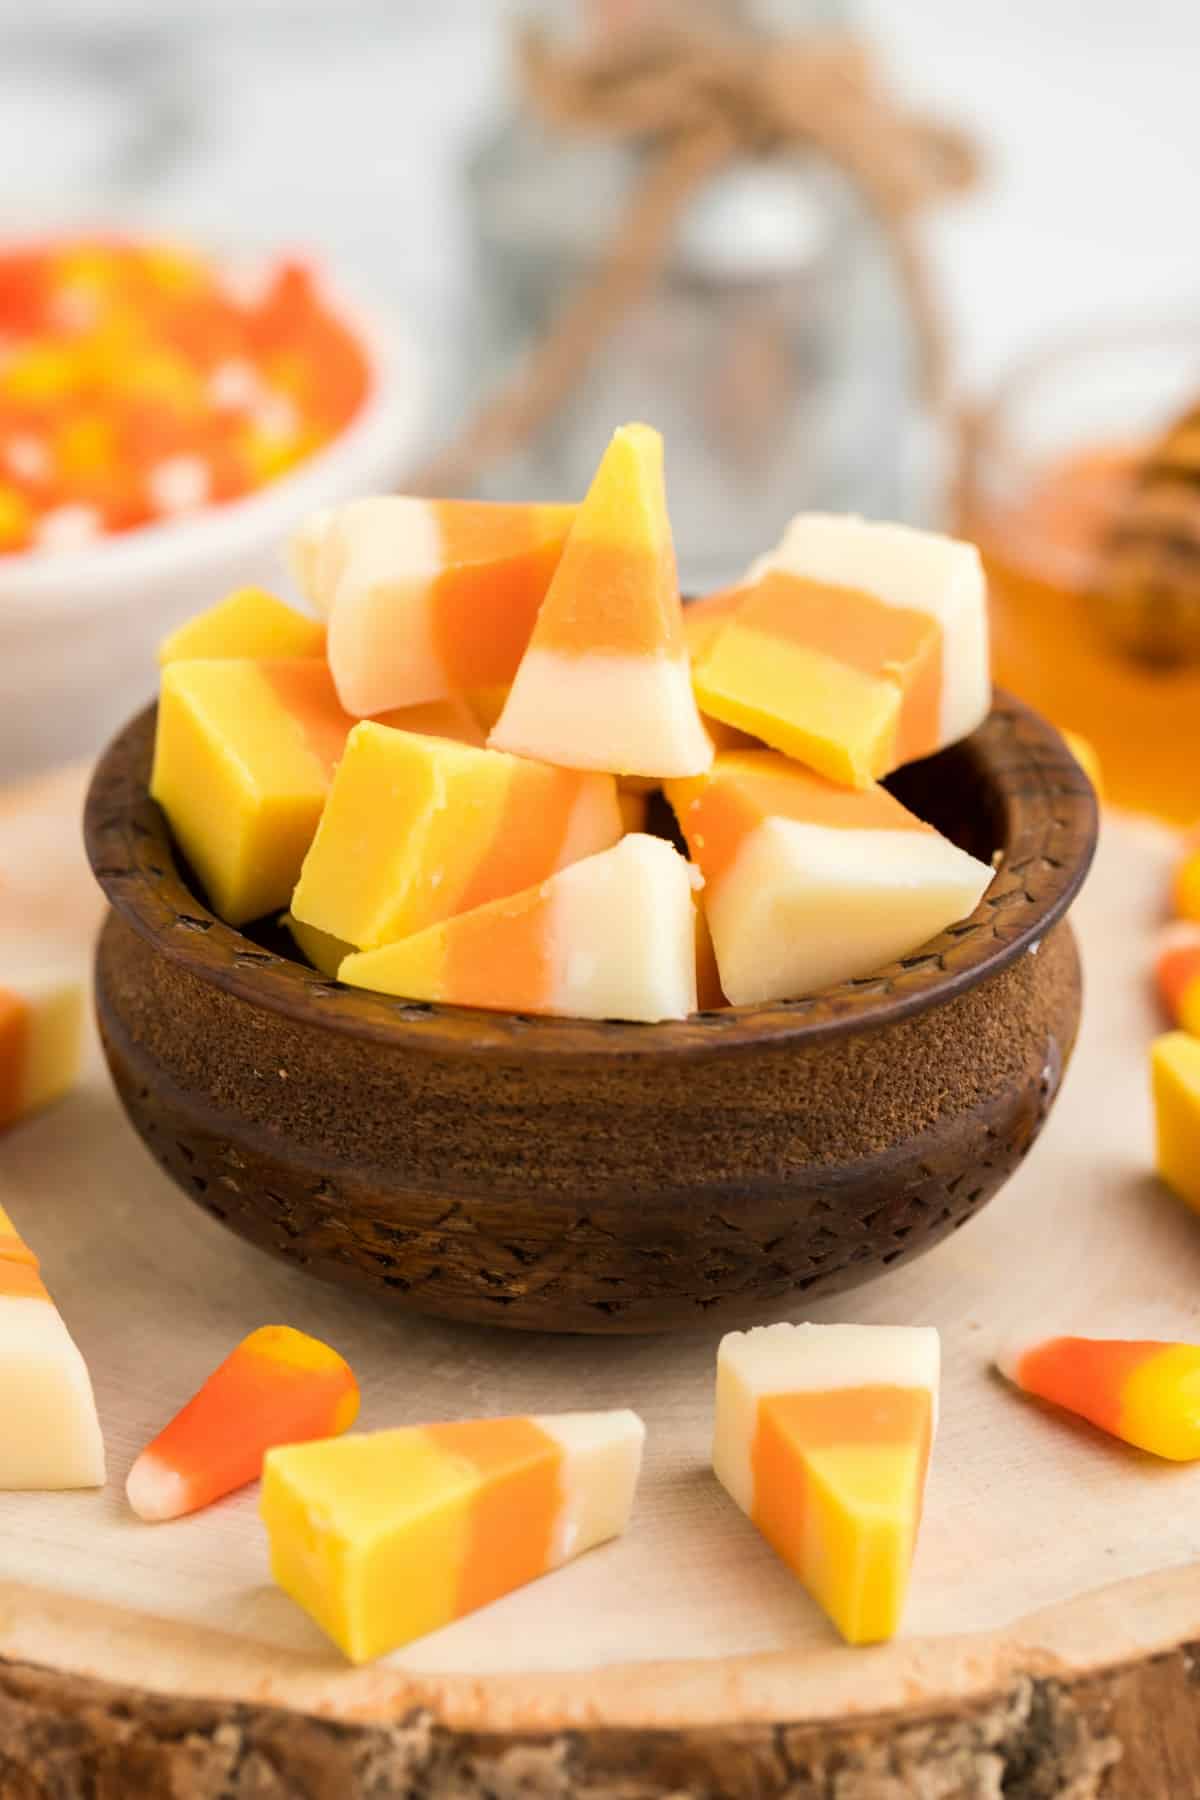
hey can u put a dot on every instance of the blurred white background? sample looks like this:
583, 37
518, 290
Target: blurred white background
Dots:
343, 124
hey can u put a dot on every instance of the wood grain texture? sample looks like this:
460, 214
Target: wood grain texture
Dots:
137, 1661
597, 1177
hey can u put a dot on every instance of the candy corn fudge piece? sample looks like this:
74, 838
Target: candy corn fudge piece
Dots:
243, 759
278, 1387
1177, 973
325, 953
386, 1536
605, 682
806, 883
49, 1432
857, 648
426, 597
1175, 1077
823, 1436
611, 937
1140, 1391
417, 829
41, 1037
247, 623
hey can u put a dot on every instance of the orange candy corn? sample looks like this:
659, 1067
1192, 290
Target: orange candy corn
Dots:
278, 1387
1177, 973
1140, 1391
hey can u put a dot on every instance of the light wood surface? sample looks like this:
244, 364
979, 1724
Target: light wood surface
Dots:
1047, 1550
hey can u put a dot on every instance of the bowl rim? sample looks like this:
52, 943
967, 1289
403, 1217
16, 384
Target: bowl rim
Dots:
1049, 822
385, 429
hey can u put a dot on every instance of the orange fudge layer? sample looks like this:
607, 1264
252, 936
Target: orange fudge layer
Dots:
611, 937
418, 829
855, 647
823, 1435
244, 756
806, 883
41, 1031
605, 682
278, 1387
1141, 1391
427, 597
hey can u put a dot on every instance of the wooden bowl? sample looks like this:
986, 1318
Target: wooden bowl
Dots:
584, 1176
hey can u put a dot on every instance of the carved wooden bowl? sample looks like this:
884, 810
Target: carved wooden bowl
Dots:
566, 1175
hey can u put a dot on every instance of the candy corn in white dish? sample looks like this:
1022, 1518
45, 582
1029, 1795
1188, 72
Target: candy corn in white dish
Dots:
1141, 1391
606, 680
49, 1432
823, 1436
41, 1038
611, 937
426, 597
279, 1386
806, 883
386, 1536
855, 647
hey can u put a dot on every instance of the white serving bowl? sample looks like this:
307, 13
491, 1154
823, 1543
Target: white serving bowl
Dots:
79, 628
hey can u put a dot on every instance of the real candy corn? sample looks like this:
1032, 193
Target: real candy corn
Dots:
611, 937
823, 1436
1141, 1391
384, 1537
49, 1431
806, 883
278, 1387
605, 682
426, 597
855, 647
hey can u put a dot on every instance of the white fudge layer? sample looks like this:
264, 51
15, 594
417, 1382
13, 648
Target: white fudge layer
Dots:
630, 715
804, 906
815, 1359
919, 570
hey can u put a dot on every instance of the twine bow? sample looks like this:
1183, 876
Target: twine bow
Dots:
696, 106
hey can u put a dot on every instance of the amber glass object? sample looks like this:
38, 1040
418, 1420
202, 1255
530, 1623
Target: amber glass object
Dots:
1051, 475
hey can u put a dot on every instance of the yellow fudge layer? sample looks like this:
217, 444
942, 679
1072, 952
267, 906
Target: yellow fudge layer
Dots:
325, 953
605, 682
41, 1036
426, 597
417, 829
382, 1538
806, 883
244, 755
854, 647
611, 937
823, 1436
49, 1432
247, 623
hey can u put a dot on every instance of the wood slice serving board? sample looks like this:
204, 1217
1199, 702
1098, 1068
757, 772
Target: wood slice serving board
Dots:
1050, 1641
